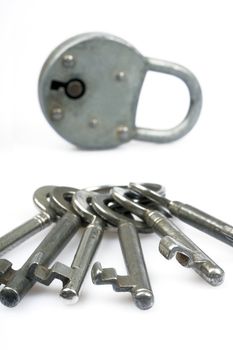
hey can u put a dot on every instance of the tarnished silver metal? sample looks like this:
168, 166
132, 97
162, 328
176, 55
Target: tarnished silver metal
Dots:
106, 204
18, 283
190, 215
73, 276
32, 226
89, 89
173, 241
137, 281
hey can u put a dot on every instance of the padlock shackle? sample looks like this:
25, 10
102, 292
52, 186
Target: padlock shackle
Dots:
169, 135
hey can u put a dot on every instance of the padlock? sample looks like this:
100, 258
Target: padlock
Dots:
89, 89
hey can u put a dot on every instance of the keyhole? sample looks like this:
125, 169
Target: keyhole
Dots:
74, 88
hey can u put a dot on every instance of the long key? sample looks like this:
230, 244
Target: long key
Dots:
32, 226
14, 238
19, 282
174, 242
73, 276
190, 215
137, 280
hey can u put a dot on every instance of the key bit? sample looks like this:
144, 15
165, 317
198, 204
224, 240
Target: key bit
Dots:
6, 270
170, 247
46, 275
173, 241
137, 280
189, 214
142, 298
109, 276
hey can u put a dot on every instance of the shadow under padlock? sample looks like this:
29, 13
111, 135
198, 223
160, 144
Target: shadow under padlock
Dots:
89, 89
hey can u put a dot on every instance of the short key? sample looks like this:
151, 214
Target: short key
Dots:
21, 281
73, 276
189, 214
173, 242
137, 281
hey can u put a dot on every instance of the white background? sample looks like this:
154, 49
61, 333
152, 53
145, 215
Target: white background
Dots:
197, 169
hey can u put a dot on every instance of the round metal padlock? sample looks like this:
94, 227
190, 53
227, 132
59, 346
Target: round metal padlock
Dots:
89, 89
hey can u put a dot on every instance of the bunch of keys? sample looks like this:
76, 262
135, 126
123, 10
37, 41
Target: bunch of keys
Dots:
133, 209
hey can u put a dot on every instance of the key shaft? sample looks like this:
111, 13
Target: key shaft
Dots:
86, 250
23, 232
137, 280
202, 221
47, 251
40, 221
73, 276
190, 215
135, 263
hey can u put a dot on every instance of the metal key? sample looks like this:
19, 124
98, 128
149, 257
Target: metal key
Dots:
137, 281
73, 276
173, 242
18, 283
32, 226
190, 215
12, 239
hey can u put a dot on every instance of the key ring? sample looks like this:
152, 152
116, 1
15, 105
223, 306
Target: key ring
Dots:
100, 203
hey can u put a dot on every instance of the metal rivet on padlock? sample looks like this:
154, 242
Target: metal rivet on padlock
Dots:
89, 89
